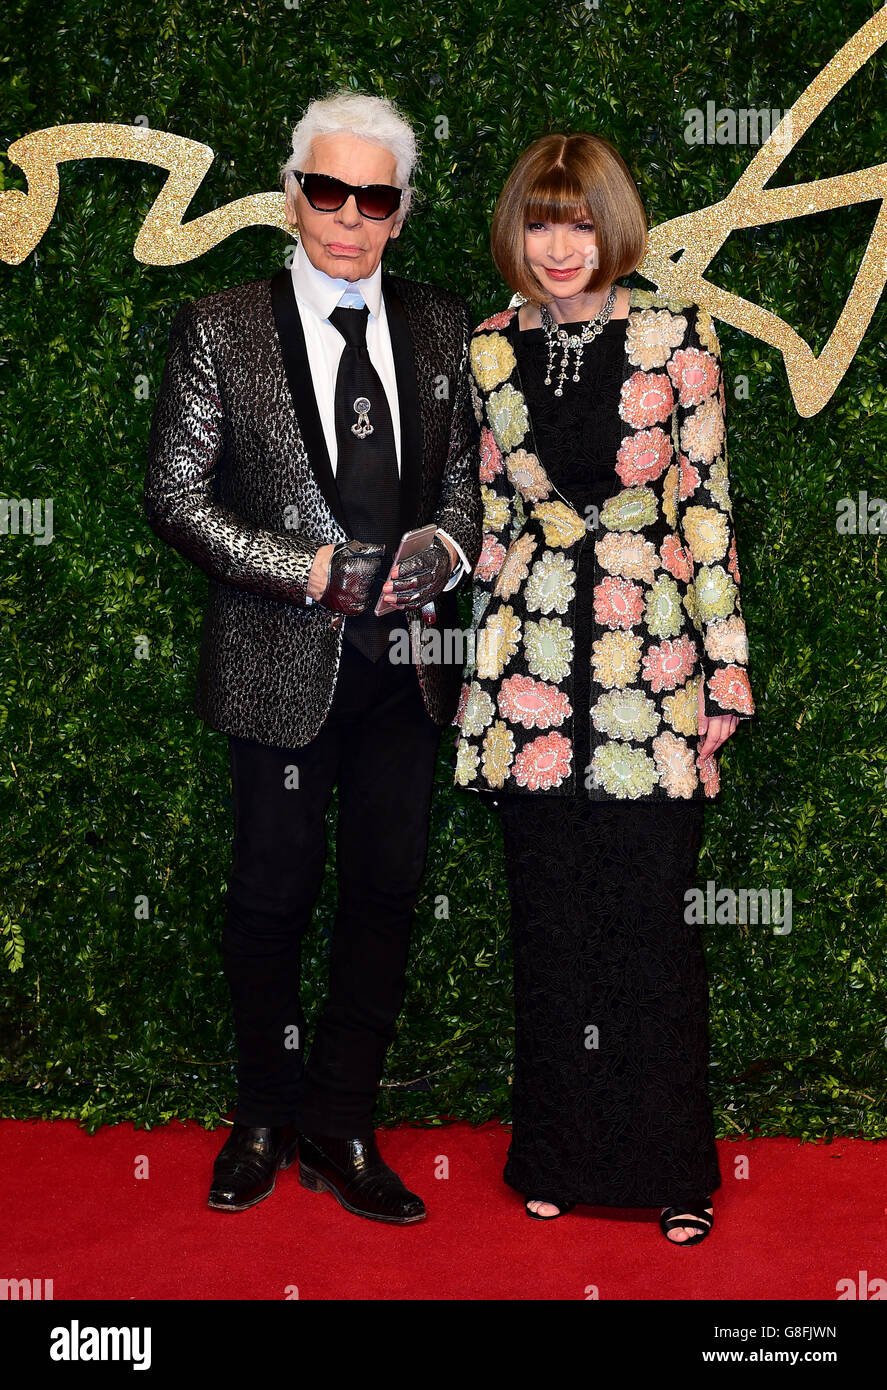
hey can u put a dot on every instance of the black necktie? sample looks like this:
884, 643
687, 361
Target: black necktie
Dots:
366, 469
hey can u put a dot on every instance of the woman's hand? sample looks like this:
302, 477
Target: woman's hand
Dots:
713, 731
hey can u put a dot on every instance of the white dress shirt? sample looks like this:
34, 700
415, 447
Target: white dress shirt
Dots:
317, 295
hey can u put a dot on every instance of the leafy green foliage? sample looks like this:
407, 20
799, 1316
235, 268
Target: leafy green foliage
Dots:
109, 786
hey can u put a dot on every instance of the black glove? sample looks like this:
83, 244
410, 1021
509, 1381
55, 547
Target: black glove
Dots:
422, 576
352, 569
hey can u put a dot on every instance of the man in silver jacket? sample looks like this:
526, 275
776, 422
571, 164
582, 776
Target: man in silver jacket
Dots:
305, 423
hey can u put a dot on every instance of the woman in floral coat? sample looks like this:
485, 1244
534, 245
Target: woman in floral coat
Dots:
610, 664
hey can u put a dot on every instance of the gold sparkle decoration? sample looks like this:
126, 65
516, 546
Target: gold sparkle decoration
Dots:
163, 239
698, 236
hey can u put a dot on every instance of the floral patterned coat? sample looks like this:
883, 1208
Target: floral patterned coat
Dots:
667, 610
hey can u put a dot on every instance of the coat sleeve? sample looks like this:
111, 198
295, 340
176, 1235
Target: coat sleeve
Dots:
185, 451
705, 519
459, 505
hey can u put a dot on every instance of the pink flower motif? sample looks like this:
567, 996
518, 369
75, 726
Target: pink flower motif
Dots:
646, 399
733, 561
694, 374
618, 603
690, 478
675, 558
496, 320
463, 701
490, 456
544, 763
643, 457
668, 665
534, 704
710, 775
731, 688
492, 557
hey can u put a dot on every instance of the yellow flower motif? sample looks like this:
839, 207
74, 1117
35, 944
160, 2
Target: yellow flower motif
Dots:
560, 524
670, 488
548, 645
630, 510
680, 709
691, 605
662, 612
467, 759
515, 567
715, 593
551, 586
719, 486
497, 643
526, 473
478, 712
702, 435
674, 763
626, 714
727, 641
498, 753
492, 360
705, 327
509, 420
628, 555
705, 531
476, 402
496, 510
648, 299
624, 771
652, 335
616, 658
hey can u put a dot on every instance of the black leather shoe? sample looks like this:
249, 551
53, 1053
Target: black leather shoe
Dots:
246, 1168
355, 1173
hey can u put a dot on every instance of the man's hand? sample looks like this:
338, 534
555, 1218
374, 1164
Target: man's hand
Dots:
342, 575
421, 577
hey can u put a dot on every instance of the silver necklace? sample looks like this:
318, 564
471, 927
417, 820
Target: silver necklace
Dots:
576, 341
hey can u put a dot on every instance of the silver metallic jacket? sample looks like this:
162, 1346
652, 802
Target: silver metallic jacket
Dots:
239, 481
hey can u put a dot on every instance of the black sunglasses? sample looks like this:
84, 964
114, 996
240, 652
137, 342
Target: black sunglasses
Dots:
374, 200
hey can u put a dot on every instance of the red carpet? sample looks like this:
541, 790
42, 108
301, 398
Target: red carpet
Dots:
808, 1216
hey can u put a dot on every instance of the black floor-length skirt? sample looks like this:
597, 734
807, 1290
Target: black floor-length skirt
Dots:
610, 1101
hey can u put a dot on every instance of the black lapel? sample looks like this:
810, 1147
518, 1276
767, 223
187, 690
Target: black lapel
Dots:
298, 375
408, 405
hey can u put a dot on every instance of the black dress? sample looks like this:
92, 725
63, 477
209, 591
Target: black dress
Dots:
610, 1100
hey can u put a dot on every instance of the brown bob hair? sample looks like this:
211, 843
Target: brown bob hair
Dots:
567, 178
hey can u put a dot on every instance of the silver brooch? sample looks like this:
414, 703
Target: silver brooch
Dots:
362, 411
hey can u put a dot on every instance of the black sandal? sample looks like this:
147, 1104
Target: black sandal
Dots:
693, 1214
552, 1202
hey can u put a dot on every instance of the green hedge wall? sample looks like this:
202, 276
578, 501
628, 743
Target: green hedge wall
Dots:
110, 786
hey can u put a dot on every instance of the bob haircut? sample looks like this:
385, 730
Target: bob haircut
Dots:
569, 178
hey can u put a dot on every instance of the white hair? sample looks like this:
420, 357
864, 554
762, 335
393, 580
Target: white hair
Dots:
352, 113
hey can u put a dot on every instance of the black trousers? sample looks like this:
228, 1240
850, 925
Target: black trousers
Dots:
379, 745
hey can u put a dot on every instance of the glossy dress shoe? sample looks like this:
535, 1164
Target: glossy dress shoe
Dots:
246, 1168
355, 1173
